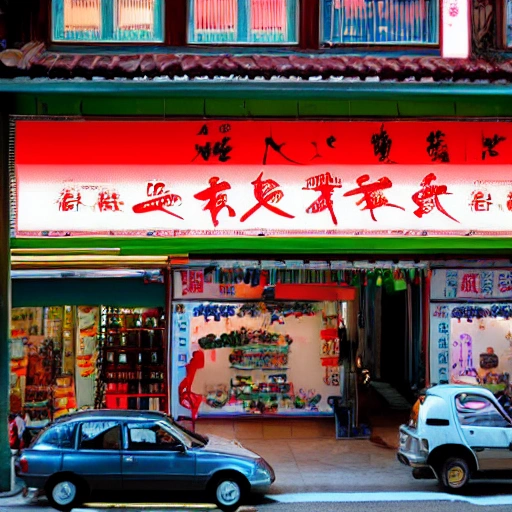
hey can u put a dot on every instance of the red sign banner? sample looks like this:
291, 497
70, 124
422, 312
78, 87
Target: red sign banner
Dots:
186, 178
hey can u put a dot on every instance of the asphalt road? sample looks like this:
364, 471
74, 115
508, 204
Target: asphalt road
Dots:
396, 506
482, 496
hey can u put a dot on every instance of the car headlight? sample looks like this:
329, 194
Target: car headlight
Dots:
264, 466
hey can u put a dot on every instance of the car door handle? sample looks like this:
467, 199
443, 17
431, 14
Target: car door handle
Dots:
128, 458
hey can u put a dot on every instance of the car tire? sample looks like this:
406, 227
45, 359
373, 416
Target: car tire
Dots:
228, 492
454, 474
65, 492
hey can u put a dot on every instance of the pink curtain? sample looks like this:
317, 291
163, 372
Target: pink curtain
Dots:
268, 15
135, 14
82, 15
218, 15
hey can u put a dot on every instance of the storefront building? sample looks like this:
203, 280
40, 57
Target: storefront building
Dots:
242, 231
241, 335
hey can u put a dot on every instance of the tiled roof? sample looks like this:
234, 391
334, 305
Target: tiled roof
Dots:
34, 60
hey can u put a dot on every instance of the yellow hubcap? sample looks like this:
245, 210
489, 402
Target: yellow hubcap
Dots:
455, 475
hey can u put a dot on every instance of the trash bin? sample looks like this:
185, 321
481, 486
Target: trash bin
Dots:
342, 417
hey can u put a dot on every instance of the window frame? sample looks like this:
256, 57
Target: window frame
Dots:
167, 40
39, 441
500, 17
127, 446
381, 47
175, 26
119, 425
245, 44
496, 406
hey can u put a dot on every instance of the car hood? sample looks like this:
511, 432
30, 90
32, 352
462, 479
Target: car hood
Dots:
218, 444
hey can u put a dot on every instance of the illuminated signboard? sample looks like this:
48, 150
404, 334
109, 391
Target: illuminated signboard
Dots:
278, 178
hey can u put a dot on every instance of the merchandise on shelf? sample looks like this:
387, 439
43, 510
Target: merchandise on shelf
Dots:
244, 337
132, 361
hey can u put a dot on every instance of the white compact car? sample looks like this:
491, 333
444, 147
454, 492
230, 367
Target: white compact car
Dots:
457, 432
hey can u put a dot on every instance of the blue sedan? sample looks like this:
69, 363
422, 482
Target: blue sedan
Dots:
105, 450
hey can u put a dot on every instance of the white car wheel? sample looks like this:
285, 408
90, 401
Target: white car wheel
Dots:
228, 493
64, 493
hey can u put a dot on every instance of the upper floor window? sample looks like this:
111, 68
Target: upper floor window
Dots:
508, 23
381, 22
243, 21
127, 21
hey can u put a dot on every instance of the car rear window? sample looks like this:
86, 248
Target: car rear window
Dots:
475, 410
58, 437
100, 435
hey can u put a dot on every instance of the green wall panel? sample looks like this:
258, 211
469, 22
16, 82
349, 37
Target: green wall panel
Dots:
25, 104
373, 108
272, 108
93, 106
184, 106
426, 108
225, 108
340, 246
128, 292
52, 106
483, 108
324, 108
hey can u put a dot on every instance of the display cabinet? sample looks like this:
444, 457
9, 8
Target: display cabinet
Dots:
132, 361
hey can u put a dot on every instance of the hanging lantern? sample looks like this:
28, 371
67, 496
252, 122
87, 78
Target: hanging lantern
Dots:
378, 281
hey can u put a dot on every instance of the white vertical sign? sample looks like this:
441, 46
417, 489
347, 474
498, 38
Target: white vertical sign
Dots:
455, 29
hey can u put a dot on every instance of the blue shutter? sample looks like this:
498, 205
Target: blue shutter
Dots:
413, 22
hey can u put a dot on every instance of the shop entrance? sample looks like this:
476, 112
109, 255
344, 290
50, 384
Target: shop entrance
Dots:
253, 340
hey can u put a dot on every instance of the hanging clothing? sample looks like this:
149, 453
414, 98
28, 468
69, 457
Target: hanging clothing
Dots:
14, 439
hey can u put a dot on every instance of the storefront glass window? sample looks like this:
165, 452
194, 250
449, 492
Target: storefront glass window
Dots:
243, 21
256, 357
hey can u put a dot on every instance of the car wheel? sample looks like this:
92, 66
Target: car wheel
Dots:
455, 474
65, 493
228, 492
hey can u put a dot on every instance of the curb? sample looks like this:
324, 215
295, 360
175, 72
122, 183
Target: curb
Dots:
18, 489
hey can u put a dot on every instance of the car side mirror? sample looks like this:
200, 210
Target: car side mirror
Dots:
179, 448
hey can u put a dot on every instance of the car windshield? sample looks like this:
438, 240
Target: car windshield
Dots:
191, 439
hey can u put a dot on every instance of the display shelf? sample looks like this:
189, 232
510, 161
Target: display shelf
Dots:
137, 395
126, 341
131, 348
113, 330
253, 369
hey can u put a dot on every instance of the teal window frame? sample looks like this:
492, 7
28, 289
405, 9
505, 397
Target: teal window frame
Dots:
366, 28
108, 34
243, 28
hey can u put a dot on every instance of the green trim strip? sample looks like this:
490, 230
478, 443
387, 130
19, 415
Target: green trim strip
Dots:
340, 246
285, 89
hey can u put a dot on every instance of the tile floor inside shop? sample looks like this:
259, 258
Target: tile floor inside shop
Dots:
306, 456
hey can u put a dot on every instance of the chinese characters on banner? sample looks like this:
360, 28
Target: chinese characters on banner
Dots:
471, 284
439, 343
283, 178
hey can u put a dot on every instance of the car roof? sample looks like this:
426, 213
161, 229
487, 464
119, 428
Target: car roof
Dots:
110, 414
449, 390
